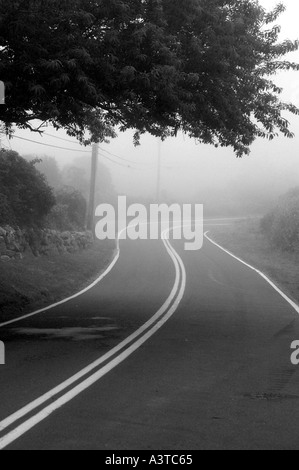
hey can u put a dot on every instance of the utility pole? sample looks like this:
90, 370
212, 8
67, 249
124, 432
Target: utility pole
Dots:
159, 171
93, 176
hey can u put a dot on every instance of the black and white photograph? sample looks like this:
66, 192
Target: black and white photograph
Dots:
149, 227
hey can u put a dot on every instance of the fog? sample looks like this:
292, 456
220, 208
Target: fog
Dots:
189, 172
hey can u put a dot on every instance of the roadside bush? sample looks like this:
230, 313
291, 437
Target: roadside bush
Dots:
69, 211
6, 213
58, 219
281, 226
25, 196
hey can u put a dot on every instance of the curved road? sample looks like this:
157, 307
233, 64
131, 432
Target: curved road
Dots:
206, 366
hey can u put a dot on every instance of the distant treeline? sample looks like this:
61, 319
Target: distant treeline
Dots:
281, 225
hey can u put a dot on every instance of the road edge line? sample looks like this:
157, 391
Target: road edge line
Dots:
81, 387
272, 284
116, 254
88, 369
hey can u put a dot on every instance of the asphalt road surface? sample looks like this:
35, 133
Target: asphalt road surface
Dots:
171, 350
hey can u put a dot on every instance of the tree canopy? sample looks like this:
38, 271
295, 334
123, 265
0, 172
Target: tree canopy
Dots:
204, 67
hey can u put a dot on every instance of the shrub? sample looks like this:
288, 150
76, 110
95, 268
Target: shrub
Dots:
25, 196
69, 212
281, 226
7, 215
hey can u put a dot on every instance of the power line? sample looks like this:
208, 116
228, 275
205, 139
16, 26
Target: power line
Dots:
124, 159
62, 138
75, 150
103, 150
129, 164
148, 165
130, 167
53, 146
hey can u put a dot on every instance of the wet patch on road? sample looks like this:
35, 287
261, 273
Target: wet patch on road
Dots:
101, 318
288, 330
270, 396
74, 334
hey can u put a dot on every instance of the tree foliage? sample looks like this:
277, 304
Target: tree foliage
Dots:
48, 167
69, 211
77, 175
201, 66
25, 197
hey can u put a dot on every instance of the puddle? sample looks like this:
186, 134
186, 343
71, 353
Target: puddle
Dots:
75, 334
101, 318
271, 396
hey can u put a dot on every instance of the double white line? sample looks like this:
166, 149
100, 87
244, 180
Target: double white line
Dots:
29, 416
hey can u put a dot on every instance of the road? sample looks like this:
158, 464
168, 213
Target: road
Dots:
172, 350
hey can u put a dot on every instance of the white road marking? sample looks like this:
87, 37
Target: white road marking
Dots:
78, 294
50, 307
176, 295
68, 299
49, 395
290, 301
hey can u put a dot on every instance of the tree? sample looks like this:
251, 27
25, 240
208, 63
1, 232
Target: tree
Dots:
158, 66
25, 197
77, 176
69, 211
49, 168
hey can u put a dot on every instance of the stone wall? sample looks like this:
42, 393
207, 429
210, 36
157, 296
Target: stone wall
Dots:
14, 243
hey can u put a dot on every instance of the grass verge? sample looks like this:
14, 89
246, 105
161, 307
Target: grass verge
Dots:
34, 283
244, 239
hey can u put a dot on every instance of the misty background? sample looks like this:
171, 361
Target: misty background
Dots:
227, 186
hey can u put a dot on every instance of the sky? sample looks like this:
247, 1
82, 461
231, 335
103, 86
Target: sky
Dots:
190, 171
